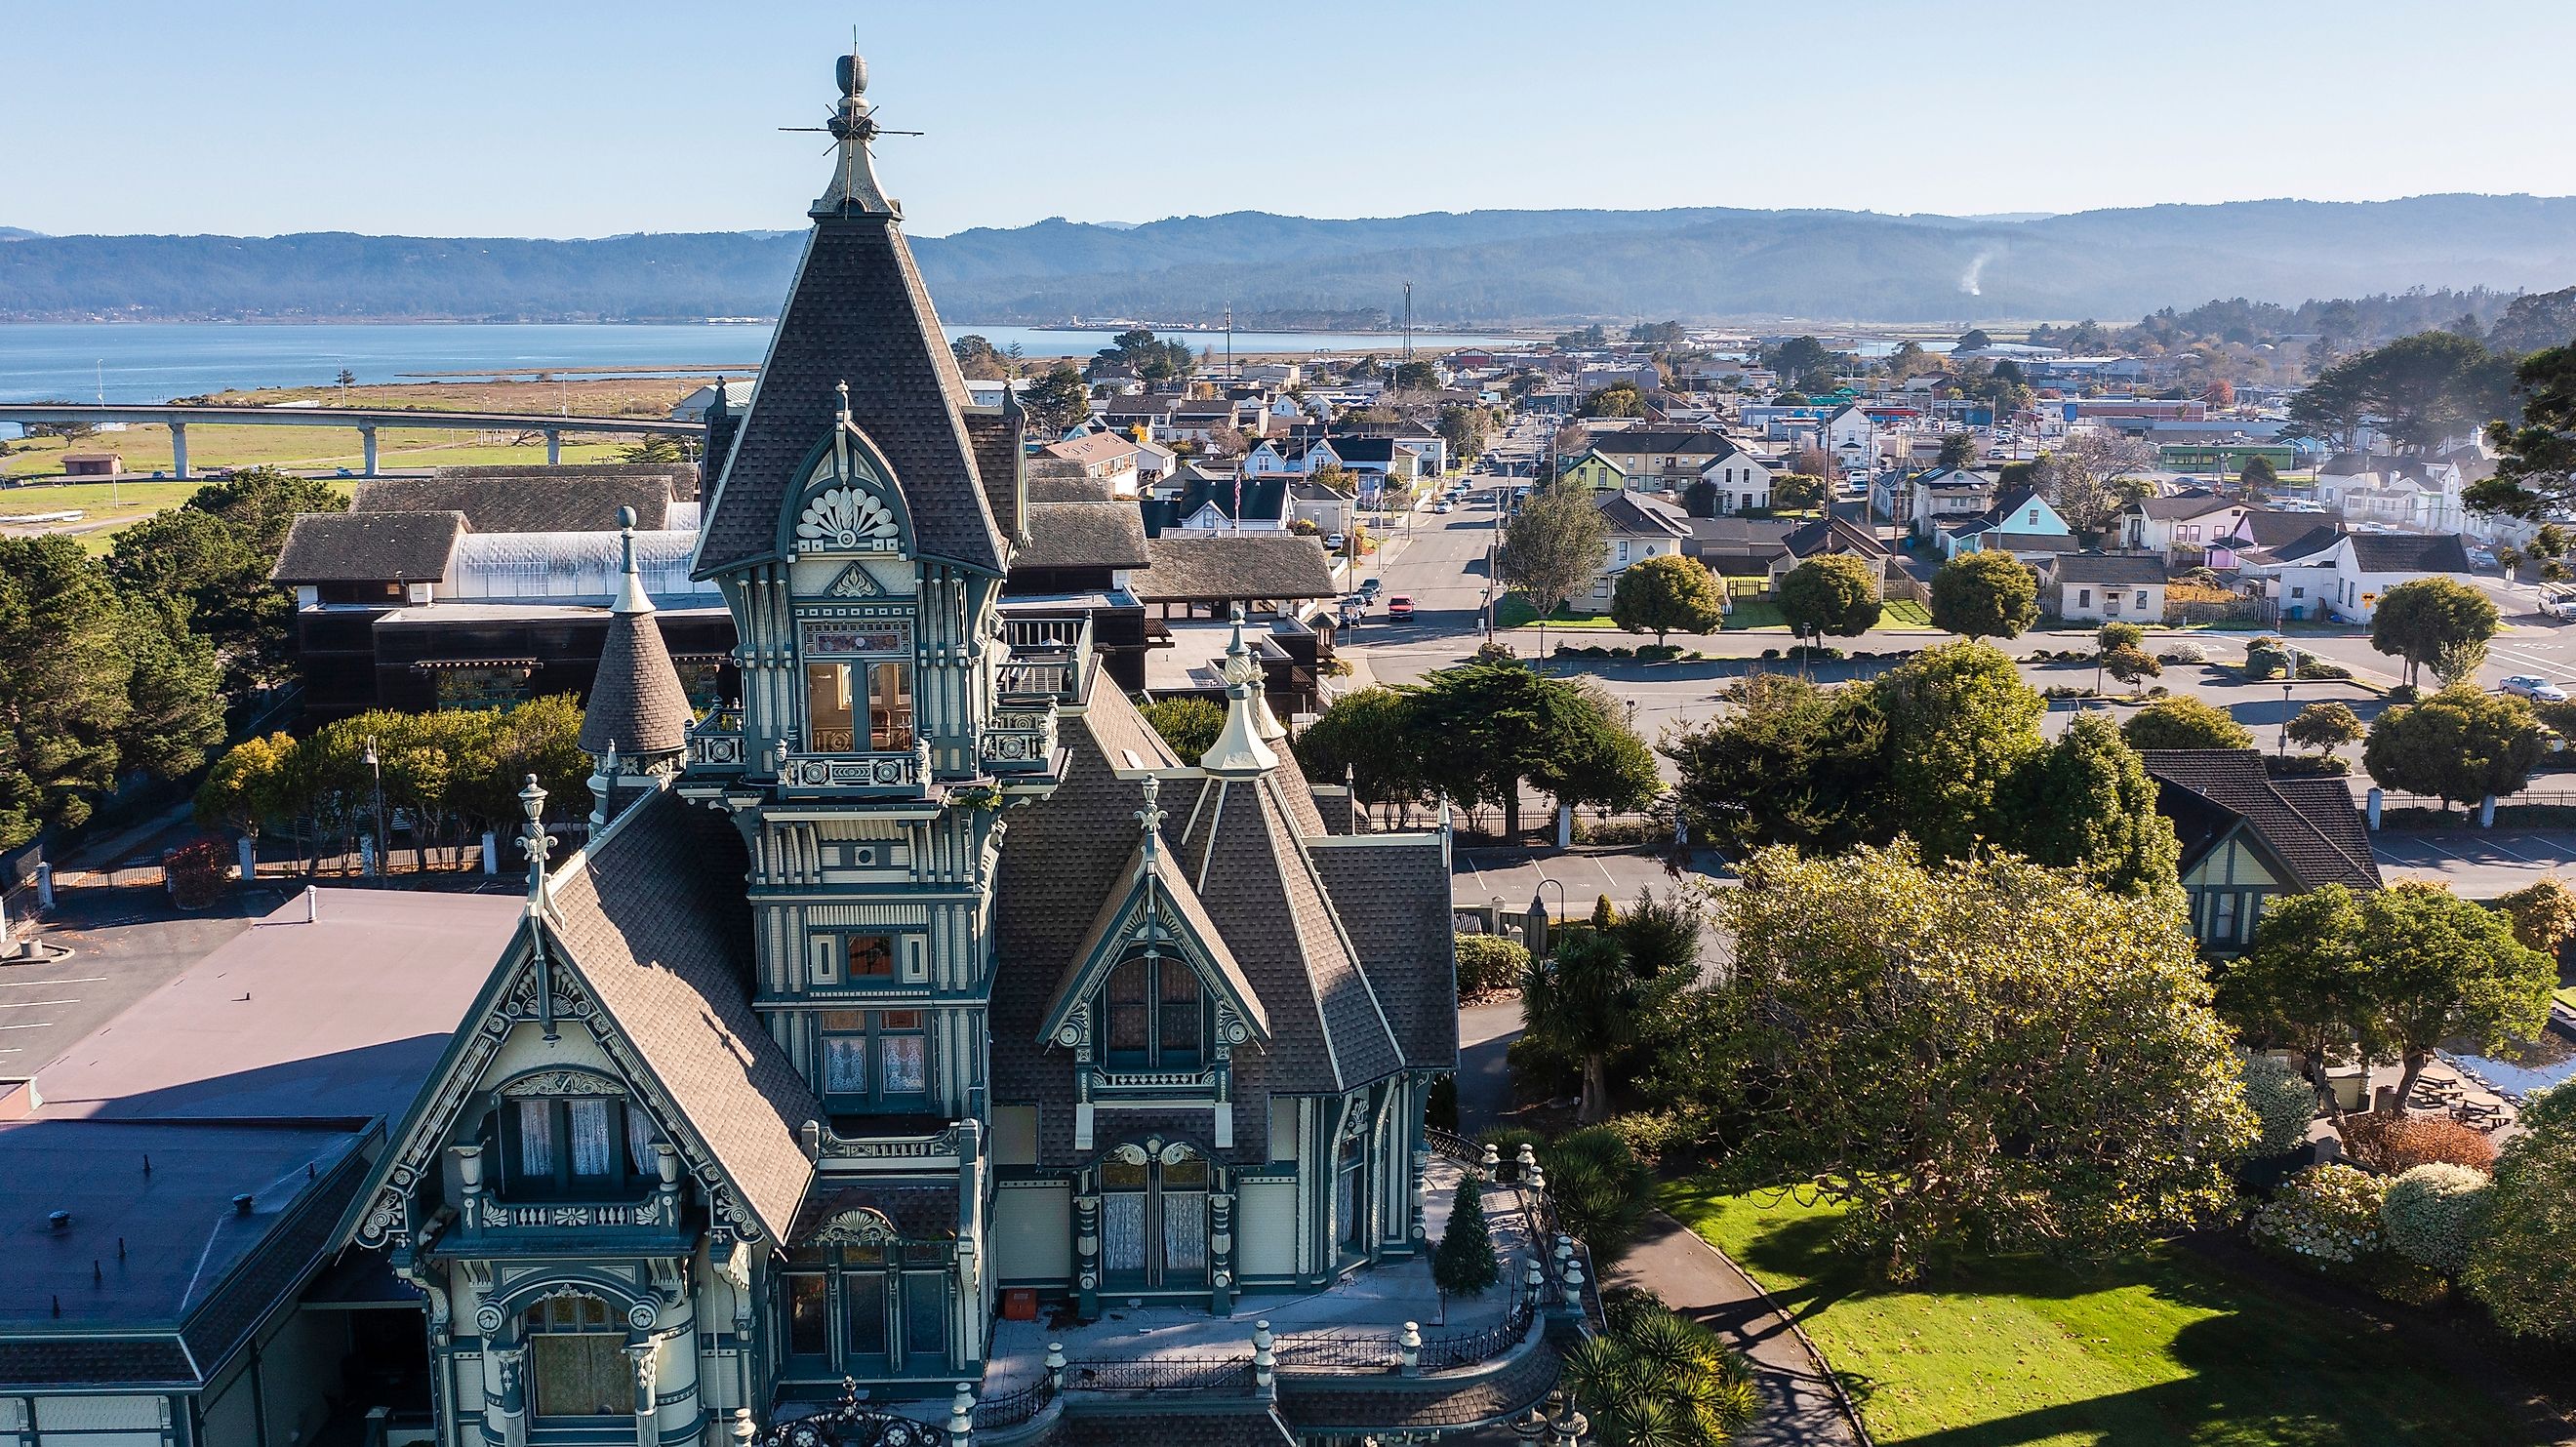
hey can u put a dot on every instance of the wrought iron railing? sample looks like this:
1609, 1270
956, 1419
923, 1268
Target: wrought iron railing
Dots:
1451, 1146
1447, 1353
1157, 1374
1010, 1409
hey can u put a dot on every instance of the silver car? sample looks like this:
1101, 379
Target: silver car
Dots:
2533, 686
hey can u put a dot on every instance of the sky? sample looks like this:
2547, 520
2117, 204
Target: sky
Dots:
576, 118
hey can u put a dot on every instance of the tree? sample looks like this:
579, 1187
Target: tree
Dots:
2418, 390
1619, 399
1586, 1003
1369, 733
2458, 662
345, 378
2535, 472
2543, 914
1878, 1039
174, 700
2117, 634
2522, 1269
2325, 727
1554, 545
2087, 804
1415, 377
2259, 477
1798, 356
1985, 595
1464, 429
1787, 762
1464, 1263
2417, 620
2184, 722
2130, 664
2397, 971
1600, 1189
2087, 477
1797, 491
1600, 761
1974, 340
212, 555
1056, 401
1188, 723
2459, 745
1497, 724
1959, 722
1667, 593
62, 654
1958, 449
243, 789
1830, 594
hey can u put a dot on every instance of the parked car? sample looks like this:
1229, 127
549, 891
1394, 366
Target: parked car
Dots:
1444, 505
2533, 686
1400, 606
1335, 542
1370, 588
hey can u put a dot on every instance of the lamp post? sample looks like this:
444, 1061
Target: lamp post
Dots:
376, 766
1538, 915
2282, 749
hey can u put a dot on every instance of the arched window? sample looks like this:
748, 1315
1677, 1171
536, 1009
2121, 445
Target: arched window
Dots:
1154, 1016
577, 1365
1154, 1216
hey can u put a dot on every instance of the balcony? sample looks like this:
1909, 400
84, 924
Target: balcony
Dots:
485, 1222
716, 744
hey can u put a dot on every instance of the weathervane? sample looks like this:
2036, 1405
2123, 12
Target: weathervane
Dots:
852, 127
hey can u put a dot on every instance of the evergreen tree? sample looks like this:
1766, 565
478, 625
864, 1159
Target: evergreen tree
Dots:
2087, 803
1464, 1264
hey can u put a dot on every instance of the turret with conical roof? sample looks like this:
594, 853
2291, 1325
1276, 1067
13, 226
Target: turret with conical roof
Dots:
637, 723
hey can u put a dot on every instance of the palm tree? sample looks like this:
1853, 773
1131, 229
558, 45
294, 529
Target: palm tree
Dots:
1658, 1379
1586, 1002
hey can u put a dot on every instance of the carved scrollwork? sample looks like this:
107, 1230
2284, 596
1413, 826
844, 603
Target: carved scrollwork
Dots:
564, 1082
846, 520
864, 1226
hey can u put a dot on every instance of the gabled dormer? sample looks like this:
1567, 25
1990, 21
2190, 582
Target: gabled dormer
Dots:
1153, 1004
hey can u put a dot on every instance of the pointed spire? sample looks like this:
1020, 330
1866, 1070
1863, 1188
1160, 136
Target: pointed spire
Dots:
1240, 750
854, 186
1241, 667
631, 597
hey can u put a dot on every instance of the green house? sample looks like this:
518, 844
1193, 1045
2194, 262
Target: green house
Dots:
2248, 837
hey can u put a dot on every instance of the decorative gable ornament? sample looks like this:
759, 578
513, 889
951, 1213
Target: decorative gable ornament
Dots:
854, 582
846, 520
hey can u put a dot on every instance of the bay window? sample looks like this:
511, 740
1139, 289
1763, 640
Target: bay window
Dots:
848, 703
875, 1058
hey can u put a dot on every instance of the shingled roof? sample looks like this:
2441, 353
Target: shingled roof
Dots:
857, 313
1084, 535
2310, 825
654, 919
525, 502
1392, 891
357, 547
636, 703
1257, 566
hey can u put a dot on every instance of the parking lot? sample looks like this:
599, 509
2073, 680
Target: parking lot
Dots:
125, 942
2479, 864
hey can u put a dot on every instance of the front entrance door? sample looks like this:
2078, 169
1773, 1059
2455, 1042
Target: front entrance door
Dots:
1154, 1218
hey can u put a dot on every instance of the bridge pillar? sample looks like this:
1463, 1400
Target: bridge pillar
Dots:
367, 442
179, 449
554, 448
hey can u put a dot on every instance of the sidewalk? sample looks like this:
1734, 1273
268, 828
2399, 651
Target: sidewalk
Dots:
1697, 1280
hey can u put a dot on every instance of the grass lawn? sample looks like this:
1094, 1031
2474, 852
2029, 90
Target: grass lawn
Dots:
1904, 613
2567, 996
2168, 1348
1514, 610
1751, 613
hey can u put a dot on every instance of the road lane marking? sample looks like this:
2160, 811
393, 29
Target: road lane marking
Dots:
2438, 849
39, 1025
33, 1004
30, 984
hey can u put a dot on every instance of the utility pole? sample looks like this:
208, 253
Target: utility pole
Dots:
1231, 374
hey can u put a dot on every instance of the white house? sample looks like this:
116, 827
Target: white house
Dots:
2345, 574
2414, 492
2182, 524
2097, 587
1640, 527
1742, 480
1946, 495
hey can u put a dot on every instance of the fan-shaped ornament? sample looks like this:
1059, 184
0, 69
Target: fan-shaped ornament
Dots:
846, 520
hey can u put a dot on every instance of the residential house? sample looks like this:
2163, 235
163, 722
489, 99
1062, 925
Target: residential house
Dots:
1107, 456
1739, 547
1943, 496
2020, 522
2184, 526
1835, 535
1595, 470
1660, 460
2344, 574
2248, 838
2099, 587
1850, 437
1639, 527
2409, 492
1742, 481
1312, 502
1220, 505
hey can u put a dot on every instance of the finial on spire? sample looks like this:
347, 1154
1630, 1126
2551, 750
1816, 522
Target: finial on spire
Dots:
854, 183
534, 841
842, 388
1150, 818
1241, 747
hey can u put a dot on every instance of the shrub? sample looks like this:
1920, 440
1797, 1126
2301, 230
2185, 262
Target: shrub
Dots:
2265, 657
2283, 1102
2307, 765
2433, 1215
1540, 1071
1463, 1264
1600, 1187
1656, 1376
1187, 722
2312, 666
2183, 653
2404, 693
1814, 653
1489, 965
2390, 1143
2326, 1215
196, 872
2522, 1268
2184, 723
1658, 1135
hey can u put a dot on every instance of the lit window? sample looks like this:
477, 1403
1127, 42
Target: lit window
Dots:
835, 693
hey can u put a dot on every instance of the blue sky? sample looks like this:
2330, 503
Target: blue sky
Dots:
571, 118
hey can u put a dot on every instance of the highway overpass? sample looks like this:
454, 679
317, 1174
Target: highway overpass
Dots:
178, 416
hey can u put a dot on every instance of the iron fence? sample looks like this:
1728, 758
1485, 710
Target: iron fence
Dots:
1442, 1354
1155, 1374
1010, 1409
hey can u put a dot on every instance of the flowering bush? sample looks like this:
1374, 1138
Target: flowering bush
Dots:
2434, 1213
2283, 1103
196, 872
2326, 1215
2389, 1143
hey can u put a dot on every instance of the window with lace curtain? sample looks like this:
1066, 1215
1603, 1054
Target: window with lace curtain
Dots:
577, 1147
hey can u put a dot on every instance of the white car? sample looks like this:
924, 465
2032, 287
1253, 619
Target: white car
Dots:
1334, 543
2532, 686
1444, 505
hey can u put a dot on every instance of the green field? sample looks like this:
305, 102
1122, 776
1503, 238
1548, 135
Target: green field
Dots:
2165, 1349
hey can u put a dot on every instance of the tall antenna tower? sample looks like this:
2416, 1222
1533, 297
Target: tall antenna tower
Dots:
1408, 321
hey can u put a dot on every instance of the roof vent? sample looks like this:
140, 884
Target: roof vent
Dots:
241, 1204
59, 1220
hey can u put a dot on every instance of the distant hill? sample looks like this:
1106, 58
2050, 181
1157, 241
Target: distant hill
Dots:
1479, 267
12, 233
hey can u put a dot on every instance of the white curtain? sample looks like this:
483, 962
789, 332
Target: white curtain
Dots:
904, 1063
591, 1147
1185, 1232
536, 1138
845, 1064
640, 1138
1122, 1237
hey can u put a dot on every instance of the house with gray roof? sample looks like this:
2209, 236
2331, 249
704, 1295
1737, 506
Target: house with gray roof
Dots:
921, 1006
2249, 838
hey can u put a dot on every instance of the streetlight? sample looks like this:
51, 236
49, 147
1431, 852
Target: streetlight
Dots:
1538, 918
376, 765
2282, 750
